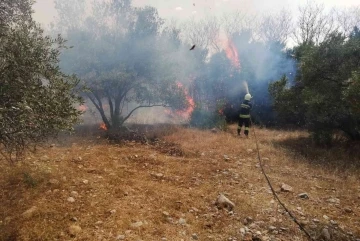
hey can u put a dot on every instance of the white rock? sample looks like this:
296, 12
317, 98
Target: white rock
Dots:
30, 212
195, 209
54, 181
224, 202
137, 224
74, 230
182, 221
159, 175
85, 181
333, 222
120, 237
272, 228
74, 194
334, 200
71, 199
286, 188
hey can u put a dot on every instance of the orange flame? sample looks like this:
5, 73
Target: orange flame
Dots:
186, 113
232, 54
183, 113
103, 127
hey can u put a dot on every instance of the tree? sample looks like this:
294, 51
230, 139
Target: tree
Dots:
122, 57
276, 27
12, 11
347, 19
314, 24
37, 99
326, 88
237, 22
71, 14
205, 33
287, 102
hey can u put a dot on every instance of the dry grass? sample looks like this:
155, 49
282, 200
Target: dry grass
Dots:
134, 182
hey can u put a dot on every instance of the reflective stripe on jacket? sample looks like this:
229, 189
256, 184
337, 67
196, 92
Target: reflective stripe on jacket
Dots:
245, 109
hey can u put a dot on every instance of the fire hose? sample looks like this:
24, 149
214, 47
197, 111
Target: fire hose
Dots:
272, 189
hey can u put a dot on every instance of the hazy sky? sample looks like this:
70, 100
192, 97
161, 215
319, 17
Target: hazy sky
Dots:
185, 9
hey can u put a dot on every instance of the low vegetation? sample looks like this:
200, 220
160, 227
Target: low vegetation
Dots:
86, 188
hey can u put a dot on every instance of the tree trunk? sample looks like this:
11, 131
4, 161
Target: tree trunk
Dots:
98, 104
115, 117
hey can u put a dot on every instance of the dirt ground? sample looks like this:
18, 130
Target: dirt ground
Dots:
85, 187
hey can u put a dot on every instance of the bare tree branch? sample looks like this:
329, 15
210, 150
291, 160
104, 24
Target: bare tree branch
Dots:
347, 19
314, 24
276, 27
140, 106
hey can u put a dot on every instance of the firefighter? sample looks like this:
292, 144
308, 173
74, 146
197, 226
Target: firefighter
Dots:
245, 115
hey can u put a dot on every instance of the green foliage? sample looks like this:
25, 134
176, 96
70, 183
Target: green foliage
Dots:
205, 119
287, 103
29, 180
14, 11
37, 99
325, 96
351, 95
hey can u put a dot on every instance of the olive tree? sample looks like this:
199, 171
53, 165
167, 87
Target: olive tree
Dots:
36, 98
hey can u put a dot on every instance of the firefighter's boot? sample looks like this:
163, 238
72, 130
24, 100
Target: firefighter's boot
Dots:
246, 132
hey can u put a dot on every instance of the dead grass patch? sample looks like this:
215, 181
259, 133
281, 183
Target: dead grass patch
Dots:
116, 186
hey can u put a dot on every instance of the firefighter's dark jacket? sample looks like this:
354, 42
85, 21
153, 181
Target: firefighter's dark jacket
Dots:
245, 109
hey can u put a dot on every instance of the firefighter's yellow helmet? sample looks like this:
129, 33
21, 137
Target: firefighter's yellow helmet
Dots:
248, 97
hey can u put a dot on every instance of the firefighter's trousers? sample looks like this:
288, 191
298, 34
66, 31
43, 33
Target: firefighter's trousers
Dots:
246, 122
